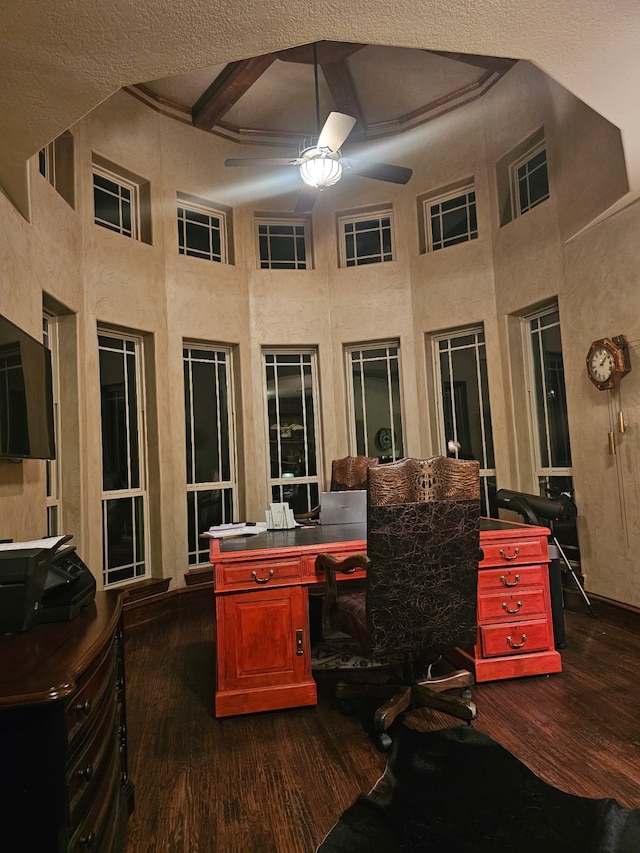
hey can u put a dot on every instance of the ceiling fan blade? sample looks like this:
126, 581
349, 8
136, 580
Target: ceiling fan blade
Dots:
306, 199
335, 130
379, 171
263, 161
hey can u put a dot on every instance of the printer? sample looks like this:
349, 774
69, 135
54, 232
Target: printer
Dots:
43, 580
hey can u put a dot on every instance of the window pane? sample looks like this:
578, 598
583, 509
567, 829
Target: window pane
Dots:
282, 245
453, 220
123, 517
292, 427
367, 241
375, 403
464, 393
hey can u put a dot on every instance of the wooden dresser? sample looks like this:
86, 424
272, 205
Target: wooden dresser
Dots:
64, 784
515, 624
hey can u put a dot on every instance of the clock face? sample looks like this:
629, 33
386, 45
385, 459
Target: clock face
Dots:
601, 364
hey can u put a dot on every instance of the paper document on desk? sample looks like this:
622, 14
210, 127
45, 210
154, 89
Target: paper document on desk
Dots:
225, 531
49, 543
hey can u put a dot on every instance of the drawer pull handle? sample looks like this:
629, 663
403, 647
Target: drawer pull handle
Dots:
514, 582
299, 642
84, 707
254, 575
517, 645
506, 556
506, 607
87, 840
86, 774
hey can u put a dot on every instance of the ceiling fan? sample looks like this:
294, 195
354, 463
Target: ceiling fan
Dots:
320, 160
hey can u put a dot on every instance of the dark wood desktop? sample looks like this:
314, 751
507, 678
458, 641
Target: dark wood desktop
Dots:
262, 616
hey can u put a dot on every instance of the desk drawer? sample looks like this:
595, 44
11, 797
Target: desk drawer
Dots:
514, 552
515, 638
508, 606
511, 579
309, 566
255, 574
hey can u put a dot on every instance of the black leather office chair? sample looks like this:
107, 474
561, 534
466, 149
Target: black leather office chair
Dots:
347, 474
423, 547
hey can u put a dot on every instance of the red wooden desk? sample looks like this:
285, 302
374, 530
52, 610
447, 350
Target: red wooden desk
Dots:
262, 616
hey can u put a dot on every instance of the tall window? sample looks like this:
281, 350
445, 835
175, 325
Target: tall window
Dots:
210, 443
530, 180
365, 239
52, 466
283, 244
451, 218
124, 495
548, 402
375, 407
291, 394
202, 230
463, 405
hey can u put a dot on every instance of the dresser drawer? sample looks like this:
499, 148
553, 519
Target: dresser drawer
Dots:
83, 709
84, 775
507, 606
254, 574
514, 552
511, 579
515, 638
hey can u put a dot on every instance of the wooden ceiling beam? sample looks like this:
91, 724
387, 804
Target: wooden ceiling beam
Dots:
228, 87
327, 51
343, 92
498, 64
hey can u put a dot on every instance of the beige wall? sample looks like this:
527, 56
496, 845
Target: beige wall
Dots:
100, 277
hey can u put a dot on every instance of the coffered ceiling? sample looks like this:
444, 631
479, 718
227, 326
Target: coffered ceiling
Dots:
271, 97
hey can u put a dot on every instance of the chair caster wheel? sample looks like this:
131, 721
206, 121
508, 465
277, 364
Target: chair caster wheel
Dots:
383, 742
466, 694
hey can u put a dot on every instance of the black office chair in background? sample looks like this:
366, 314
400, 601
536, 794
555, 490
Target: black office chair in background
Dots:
347, 474
420, 596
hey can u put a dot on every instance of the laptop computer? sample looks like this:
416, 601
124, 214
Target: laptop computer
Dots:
343, 507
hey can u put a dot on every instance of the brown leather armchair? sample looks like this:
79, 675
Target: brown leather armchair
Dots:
423, 547
347, 474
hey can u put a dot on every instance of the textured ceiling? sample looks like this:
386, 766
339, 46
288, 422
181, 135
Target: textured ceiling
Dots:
61, 58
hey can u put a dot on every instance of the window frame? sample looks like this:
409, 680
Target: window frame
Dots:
537, 419
285, 221
309, 481
134, 492
442, 197
231, 484
122, 183
514, 180
378, 213
487, 473
362, 448
53, 480
212, 211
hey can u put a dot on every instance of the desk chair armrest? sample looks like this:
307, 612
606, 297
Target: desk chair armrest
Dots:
331, 566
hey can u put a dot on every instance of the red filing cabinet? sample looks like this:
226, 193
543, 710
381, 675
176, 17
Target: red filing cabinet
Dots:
515, 626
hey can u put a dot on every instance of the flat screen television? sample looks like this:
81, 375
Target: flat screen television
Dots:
26, 398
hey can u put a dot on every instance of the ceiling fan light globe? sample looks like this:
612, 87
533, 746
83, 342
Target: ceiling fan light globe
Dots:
321, 169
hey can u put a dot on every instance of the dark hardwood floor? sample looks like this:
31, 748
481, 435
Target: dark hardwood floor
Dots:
276, 782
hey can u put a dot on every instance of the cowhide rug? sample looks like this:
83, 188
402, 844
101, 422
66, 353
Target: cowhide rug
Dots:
459, 791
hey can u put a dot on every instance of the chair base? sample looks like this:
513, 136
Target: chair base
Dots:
425, 693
